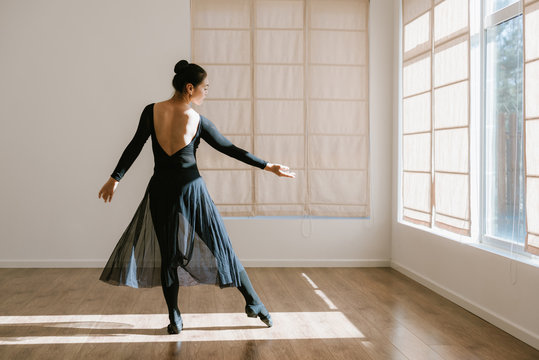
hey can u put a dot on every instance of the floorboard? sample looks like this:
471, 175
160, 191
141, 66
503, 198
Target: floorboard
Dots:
319, 313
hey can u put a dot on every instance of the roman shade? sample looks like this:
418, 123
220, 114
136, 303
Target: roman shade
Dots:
436, 114
289, 83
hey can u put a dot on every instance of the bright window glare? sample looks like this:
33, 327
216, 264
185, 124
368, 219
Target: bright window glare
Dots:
504, 159
492, 6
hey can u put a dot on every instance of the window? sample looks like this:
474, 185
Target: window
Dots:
493, 145
435, 135
504, 177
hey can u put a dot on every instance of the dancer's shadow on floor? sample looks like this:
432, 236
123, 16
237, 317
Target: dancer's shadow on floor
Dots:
96, 328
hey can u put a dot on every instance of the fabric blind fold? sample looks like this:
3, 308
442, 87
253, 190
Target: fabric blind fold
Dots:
531, 123
435, 142
289, 82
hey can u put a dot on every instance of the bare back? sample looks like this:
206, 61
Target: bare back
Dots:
175, 125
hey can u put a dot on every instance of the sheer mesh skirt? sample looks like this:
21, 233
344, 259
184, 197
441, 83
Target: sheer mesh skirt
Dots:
179, 228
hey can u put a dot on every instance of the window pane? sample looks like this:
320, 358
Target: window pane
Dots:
504, 172
492, 6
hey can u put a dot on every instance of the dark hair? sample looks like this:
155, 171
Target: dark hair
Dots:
187, 73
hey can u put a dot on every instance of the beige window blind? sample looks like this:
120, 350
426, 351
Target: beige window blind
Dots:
436, 112
289, 83
531, 122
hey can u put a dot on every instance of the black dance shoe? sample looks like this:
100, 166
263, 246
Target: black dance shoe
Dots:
174, 328
260, 311
176, 323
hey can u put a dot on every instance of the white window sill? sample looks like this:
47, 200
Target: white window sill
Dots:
530, 259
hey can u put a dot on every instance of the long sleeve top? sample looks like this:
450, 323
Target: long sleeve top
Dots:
206, 130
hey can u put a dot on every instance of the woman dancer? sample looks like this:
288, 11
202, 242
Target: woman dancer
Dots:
177, 236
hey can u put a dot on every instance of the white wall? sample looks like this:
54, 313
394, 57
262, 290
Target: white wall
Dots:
75, 77
503, 291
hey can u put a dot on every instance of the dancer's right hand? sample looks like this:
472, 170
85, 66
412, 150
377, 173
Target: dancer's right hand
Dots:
107, 191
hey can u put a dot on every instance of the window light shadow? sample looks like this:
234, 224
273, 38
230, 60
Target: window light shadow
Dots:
319, 292
137, 328
134, 328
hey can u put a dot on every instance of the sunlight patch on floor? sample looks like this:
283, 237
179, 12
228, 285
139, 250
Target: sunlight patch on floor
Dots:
197, 327
320, 293
309, 280
326, 299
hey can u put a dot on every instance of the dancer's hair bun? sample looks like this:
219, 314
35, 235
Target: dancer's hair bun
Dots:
187, 73
180, 66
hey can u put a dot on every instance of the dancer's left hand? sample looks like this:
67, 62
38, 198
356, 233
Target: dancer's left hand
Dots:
280, 170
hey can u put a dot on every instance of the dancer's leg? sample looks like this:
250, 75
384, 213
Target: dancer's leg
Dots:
247, 290
164, 216
254, 306
171, 298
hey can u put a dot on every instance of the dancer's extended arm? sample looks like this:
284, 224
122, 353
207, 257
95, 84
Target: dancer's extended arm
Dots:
213, 137
222, 144
135, 146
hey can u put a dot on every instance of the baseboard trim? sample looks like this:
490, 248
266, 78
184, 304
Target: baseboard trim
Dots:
316, 262
499, 321
57, 263
53, 263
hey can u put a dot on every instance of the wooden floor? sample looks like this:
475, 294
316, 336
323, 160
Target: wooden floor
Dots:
319, 313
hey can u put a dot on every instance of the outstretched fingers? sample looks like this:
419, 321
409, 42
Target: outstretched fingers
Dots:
284, 171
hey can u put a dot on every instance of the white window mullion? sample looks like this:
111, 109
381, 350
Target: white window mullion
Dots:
531, 124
